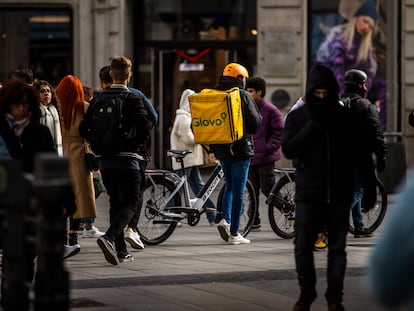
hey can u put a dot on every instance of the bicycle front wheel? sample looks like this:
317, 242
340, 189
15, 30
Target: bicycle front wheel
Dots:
374, 217
249, 208
154, 226
282, 207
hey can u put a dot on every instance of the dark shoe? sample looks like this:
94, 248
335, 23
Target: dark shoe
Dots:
305, 301
301, 306
364, 233
108, 248
335, 307
256, 226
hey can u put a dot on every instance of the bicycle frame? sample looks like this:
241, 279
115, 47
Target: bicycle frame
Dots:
181, 184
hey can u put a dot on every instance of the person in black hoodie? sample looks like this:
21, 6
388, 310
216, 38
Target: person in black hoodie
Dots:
318, 138
235, 157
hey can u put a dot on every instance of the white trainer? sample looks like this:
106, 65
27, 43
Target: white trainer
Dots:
70, 250
92, 233
239, 239
133, 239
223, 228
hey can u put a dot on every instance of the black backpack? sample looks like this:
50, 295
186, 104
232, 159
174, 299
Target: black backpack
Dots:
102, 125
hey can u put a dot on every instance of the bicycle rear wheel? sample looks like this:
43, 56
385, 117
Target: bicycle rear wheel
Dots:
249, 208
282, 207
154, 226
374, 217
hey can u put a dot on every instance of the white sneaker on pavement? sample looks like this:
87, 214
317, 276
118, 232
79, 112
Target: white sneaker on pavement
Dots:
239, 239
132, 237
70, 250
92, 233
223, 228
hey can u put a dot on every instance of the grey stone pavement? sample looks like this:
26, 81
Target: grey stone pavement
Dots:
195, 270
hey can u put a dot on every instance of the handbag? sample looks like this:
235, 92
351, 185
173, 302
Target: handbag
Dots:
209, 159
90, 159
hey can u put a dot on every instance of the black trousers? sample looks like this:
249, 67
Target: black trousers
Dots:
123, 189
310, 217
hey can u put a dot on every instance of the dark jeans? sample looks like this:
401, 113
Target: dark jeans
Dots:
134, 221
310, 217
123, 188
262, 178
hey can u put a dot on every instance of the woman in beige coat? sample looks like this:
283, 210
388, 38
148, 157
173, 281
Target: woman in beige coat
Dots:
70, 98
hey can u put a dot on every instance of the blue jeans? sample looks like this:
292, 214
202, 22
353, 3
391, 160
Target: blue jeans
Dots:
356, 203
196, 184
235, 174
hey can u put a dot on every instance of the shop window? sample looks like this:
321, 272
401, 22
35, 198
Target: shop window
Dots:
39, 39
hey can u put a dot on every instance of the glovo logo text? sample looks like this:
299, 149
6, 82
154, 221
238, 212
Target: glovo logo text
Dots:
199, 122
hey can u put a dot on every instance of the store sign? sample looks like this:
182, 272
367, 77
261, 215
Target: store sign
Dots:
191, 67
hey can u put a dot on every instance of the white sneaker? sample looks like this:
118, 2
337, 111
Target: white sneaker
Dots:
223, 228
70, 250
239, 239
133, 239
92, 233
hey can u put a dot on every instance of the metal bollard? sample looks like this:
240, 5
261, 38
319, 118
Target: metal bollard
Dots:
18, 253
51, 187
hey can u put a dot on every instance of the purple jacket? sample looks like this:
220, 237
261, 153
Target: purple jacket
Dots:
268, 139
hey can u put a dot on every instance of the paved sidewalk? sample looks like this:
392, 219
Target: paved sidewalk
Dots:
196, 270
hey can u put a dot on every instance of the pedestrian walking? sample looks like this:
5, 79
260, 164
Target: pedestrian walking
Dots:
122, 173
318, 138
267, 143
370, 150
72, 105
235, 157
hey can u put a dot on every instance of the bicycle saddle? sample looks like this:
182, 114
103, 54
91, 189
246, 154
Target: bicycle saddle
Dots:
179, 154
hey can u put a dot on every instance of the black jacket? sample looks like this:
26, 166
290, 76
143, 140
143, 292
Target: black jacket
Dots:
243, 148
369, 137
321, 147
36, 138
369, 140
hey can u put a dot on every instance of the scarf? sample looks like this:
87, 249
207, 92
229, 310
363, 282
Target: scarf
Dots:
50, 118
17, 126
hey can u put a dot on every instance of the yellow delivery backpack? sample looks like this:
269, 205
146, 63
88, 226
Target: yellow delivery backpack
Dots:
216, 116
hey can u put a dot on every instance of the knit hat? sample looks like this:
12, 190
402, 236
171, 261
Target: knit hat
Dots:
368, 9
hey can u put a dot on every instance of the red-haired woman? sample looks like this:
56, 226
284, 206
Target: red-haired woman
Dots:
70, 99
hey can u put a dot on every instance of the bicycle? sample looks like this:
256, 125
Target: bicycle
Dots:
281, 203
162, 206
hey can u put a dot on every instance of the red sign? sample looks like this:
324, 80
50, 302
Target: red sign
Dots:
194, 58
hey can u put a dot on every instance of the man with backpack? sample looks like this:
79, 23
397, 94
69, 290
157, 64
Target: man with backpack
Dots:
370, 151
131, 234
120, 155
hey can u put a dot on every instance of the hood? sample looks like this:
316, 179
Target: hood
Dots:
184, 103
226, 83
322, 77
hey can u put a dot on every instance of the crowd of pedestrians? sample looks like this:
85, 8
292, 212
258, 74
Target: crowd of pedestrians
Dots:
335, 171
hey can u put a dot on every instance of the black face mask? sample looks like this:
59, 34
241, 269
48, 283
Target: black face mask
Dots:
318, 102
